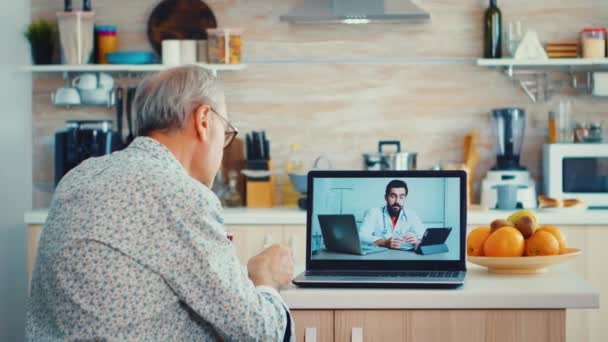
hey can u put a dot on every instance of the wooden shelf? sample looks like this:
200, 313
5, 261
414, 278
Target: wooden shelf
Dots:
121, 68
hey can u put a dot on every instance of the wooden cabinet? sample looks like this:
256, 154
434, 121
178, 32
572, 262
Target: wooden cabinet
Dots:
430, 325
251, 240
596, 254
295, 238
370, 325
314, 325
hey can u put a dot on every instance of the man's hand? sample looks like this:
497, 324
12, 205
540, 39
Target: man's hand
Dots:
393, 242
273, 267
411, 238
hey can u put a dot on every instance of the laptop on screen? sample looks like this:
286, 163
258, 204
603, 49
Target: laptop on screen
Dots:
385, 229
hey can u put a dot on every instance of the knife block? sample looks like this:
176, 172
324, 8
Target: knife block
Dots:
259, 192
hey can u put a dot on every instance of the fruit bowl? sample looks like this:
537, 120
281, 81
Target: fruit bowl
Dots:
523, 265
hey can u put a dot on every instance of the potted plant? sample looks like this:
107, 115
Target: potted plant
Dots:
41, 35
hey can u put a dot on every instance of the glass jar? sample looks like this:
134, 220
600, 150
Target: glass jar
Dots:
232, 198
595, 132
593, 42
224, 46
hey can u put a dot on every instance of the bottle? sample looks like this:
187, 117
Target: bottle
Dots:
67, 5
87, 6
293, 165
552, 128
232, 198
493, 32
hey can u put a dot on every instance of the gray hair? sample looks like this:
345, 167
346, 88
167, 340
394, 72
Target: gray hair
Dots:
165, 100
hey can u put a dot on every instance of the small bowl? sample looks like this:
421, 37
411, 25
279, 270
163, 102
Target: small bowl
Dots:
523, 265
97, 97
300, 182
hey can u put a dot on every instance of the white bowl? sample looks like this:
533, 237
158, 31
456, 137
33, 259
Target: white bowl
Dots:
97, 97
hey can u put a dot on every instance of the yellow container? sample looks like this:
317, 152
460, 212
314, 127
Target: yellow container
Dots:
107, 42
260, 193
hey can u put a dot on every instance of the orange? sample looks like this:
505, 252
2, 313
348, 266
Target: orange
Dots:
542, 243
505, 242
561, 238
477, 237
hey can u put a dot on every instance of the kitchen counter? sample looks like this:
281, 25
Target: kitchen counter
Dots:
289, 216
558, 288
488, 307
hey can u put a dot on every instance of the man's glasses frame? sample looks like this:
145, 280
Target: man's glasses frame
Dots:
230, 131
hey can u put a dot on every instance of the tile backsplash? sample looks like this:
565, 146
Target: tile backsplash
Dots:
336, 90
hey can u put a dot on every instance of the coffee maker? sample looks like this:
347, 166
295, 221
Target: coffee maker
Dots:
509, 126
82, 139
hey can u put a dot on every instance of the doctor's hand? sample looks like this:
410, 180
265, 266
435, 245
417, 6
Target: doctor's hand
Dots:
393, 242
411, 238
273, 267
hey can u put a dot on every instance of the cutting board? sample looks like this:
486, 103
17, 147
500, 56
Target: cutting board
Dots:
179, 19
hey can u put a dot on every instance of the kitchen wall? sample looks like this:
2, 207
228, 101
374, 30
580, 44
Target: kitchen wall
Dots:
15, 167
336, 90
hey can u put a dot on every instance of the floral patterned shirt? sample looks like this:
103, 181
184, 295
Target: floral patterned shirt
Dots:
135, 249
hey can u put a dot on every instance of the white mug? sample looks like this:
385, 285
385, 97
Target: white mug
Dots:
171, 52
93, 81
66, 96
188, 51
97, 97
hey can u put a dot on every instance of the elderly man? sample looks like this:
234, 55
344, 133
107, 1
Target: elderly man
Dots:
134, 247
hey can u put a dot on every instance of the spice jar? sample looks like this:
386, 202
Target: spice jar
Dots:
224, 45
593, 42
107, 42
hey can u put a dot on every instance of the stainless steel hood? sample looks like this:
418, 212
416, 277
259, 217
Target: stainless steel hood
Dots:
354, 12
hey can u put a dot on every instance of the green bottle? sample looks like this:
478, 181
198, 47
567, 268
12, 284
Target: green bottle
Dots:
493, 32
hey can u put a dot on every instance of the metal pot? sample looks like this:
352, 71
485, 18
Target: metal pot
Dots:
383, 160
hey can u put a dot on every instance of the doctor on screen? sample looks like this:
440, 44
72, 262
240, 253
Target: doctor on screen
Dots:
392, 225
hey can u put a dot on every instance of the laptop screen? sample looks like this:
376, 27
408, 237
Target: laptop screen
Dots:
406, 216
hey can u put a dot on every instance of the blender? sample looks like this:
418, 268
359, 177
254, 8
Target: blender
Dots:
508, 175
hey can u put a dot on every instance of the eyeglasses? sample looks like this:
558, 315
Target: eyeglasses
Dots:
230, 131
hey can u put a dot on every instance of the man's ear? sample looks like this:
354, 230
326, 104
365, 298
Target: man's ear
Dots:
201, 122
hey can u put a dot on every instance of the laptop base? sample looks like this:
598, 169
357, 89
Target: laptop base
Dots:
377, 281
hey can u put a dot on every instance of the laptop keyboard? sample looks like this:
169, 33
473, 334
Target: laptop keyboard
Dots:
399, 274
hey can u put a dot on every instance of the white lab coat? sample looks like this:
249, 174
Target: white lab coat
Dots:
377, 225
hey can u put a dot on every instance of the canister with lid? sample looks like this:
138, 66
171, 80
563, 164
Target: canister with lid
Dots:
593, 42
107, 42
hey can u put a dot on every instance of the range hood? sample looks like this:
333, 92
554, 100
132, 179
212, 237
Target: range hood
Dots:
354, 12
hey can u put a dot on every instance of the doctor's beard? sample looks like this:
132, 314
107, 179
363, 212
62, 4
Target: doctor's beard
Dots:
394, 209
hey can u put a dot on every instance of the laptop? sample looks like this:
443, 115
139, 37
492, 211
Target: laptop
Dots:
340, 235
437, 198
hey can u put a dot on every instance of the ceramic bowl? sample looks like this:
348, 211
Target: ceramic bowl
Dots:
523, 265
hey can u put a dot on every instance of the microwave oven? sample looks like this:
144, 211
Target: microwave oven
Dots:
577, 171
